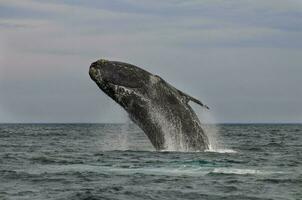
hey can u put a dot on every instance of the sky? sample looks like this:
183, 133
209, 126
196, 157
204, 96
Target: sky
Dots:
241, 58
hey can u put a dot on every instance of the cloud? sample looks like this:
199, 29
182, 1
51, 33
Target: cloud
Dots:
21, 23
232, 23
233, 54
69, 11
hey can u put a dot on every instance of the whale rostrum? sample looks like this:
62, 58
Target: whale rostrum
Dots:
159, 109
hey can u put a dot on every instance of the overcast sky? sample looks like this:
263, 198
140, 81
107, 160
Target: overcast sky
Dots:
242, 58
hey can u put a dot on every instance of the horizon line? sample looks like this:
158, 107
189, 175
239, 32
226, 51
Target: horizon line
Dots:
134, 123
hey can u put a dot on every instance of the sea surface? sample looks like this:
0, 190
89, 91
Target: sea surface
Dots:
116, 161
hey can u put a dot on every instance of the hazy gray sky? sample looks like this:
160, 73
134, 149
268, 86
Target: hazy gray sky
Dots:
242, 58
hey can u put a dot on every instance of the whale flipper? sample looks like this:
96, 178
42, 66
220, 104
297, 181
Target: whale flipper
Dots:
186, 97
190, 98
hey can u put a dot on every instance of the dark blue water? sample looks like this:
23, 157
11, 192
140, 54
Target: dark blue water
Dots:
111, 161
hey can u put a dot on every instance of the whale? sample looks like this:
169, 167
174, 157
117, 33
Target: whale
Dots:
158, 108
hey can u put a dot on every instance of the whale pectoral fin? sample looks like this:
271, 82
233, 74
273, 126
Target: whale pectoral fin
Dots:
199, 102
190, 98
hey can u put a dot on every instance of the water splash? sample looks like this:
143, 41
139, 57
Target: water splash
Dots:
216, 144
174, 140
117, 138
221, 150
123, 137
211, 129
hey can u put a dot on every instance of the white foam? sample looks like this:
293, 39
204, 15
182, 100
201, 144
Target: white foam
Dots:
239, 171
221, 150
183, 170
165, 171
171, 171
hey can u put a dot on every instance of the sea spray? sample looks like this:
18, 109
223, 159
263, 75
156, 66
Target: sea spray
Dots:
118, 137
211, 129
174, 140
168, 129
123, 137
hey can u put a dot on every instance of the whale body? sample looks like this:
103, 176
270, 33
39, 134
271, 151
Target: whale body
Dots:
159, 109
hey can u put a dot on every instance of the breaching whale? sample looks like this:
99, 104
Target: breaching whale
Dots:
159, 109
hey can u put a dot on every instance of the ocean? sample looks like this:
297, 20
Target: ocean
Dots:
117, 161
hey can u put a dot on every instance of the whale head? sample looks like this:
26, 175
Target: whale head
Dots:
119, 80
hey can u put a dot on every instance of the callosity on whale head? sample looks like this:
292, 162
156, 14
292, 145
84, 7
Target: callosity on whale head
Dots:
120, 81
158, 108
117, 73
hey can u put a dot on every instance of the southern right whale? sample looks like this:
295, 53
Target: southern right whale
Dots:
158, 108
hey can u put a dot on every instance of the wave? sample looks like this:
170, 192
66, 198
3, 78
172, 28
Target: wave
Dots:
165, 171
274, 144
171, 151
282, 180
235, 171
54, 160
242, 171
